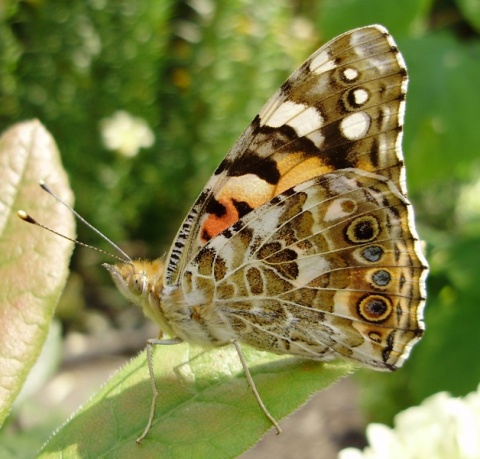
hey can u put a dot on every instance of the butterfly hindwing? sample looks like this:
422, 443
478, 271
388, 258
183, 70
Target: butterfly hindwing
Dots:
325, 268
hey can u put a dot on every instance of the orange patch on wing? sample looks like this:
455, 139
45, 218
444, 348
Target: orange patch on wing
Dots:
214, 225
254, 191
249, 189
364, 163
299, 171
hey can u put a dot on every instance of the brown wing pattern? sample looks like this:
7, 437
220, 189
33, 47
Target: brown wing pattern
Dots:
343, 108
329, 268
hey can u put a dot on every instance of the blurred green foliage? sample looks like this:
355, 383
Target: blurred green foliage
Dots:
197, 72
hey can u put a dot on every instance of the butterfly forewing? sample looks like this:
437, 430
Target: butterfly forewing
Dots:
342, 108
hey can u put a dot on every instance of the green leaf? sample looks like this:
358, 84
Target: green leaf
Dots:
205, 407
33, 263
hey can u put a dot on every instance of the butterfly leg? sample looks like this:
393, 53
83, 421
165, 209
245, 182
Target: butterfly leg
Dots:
150, 344
254, 388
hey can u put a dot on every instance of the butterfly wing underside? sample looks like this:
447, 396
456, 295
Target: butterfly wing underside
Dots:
328, 268
303, 238
343, 107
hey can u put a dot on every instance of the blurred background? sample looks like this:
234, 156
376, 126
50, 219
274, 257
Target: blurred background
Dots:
145, 98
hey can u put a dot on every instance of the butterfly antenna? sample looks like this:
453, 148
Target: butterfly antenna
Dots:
29, 219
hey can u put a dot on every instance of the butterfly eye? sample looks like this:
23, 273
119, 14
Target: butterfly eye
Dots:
137, 284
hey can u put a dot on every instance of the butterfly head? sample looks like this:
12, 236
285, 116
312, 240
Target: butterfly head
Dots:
140, 281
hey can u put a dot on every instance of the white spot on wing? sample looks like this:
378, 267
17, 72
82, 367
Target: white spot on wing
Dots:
282, 114
317, 138
387, 113
382, 147
350, 74
305, 120
360, 95
321, 63
336, 210
309, 268
355, 126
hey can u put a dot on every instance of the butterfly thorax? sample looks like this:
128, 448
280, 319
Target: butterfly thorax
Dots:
142, 282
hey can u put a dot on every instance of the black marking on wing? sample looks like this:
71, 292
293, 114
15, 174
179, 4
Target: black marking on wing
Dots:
216, 208
243, 208
283, 139
374, 150
251, 163
340, 160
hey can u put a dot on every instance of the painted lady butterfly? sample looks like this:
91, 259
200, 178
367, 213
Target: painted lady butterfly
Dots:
303, 241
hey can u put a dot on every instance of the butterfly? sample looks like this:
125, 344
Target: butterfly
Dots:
303, 241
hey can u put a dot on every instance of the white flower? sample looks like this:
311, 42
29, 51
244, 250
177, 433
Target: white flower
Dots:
441, 427
126, 134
